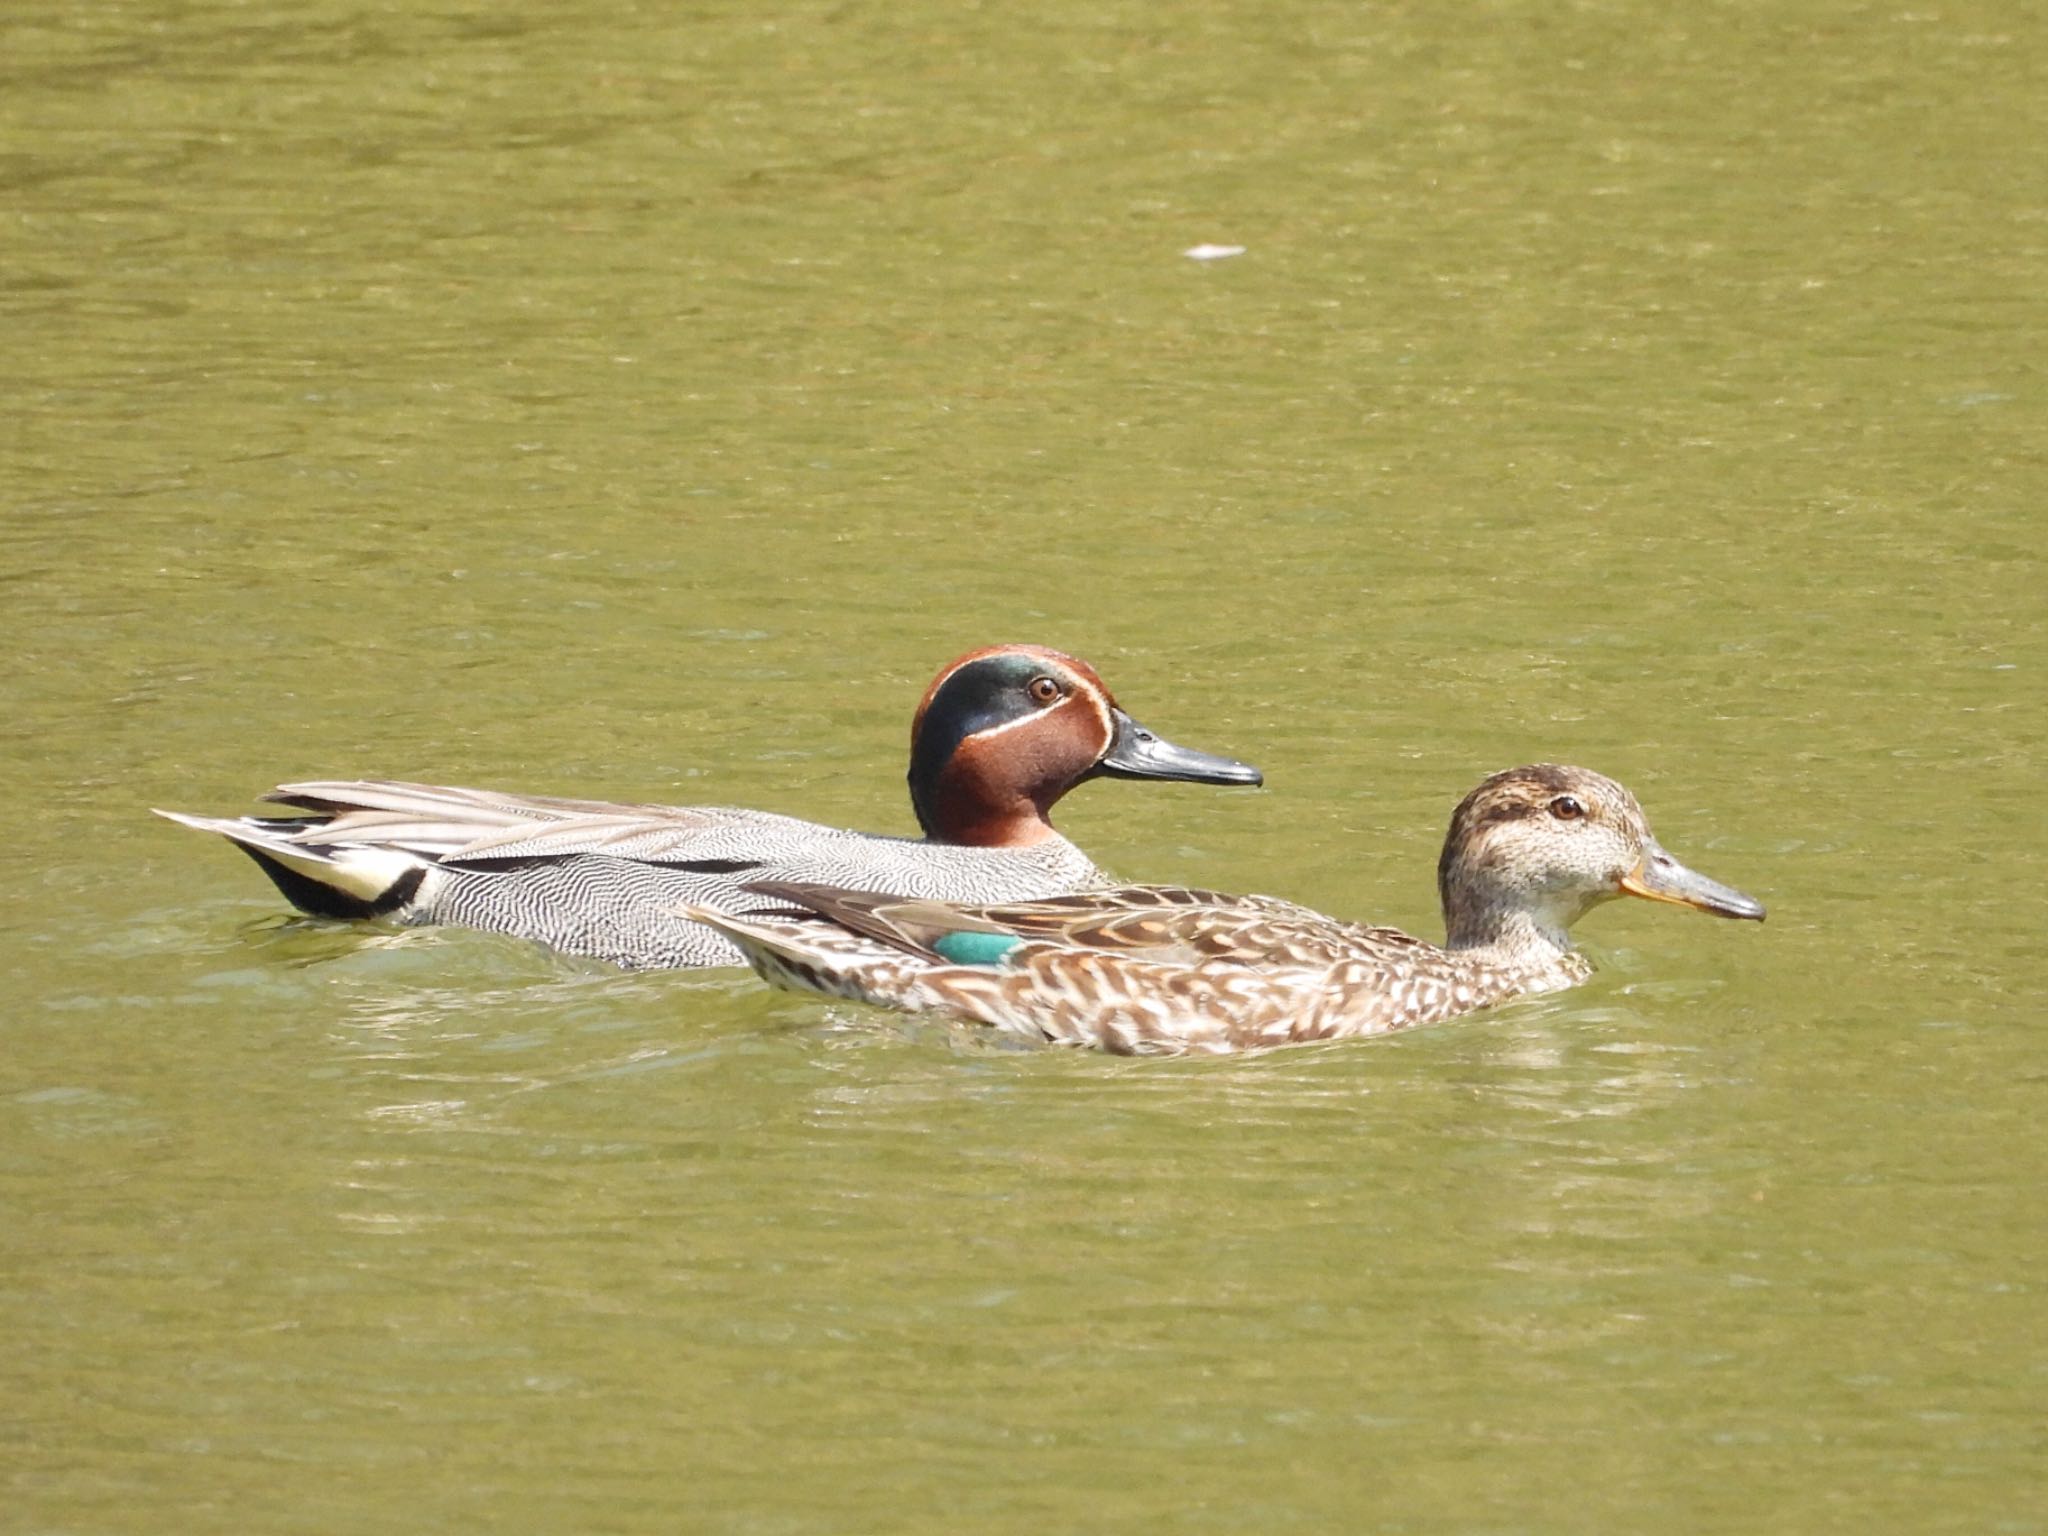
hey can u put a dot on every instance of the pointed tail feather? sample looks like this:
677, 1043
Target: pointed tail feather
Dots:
326, 879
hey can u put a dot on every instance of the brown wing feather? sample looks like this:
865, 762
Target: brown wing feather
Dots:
909, 925
1180, 924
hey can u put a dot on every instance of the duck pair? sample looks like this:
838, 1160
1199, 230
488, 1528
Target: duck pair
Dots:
991, 916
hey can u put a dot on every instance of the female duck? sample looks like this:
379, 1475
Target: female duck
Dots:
999, 737
1160, 970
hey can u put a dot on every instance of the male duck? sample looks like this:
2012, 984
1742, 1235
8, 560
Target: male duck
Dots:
1000, 735
1161, 970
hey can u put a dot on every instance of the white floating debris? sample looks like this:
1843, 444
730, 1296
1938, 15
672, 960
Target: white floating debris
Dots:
1212, 252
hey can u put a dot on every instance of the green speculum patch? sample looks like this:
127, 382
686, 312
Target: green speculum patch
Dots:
975, 948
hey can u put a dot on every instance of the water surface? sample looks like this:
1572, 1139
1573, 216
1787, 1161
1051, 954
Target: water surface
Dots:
628, 402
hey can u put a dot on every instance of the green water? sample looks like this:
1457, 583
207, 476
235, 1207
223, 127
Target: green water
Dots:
641, 402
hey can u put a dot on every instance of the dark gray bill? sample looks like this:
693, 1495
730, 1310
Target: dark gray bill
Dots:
1659, 877
1138, 754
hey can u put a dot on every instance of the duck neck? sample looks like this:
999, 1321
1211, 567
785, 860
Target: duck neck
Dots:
956, 806
987, 826
1509, 937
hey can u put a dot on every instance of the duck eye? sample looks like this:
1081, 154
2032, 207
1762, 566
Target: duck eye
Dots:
1565, 808
1043, 689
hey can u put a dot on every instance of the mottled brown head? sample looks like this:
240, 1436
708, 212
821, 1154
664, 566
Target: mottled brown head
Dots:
1002, 733
1531, 849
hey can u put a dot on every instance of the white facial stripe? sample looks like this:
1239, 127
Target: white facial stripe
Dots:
1102, 716
1079, 690
1009, 725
